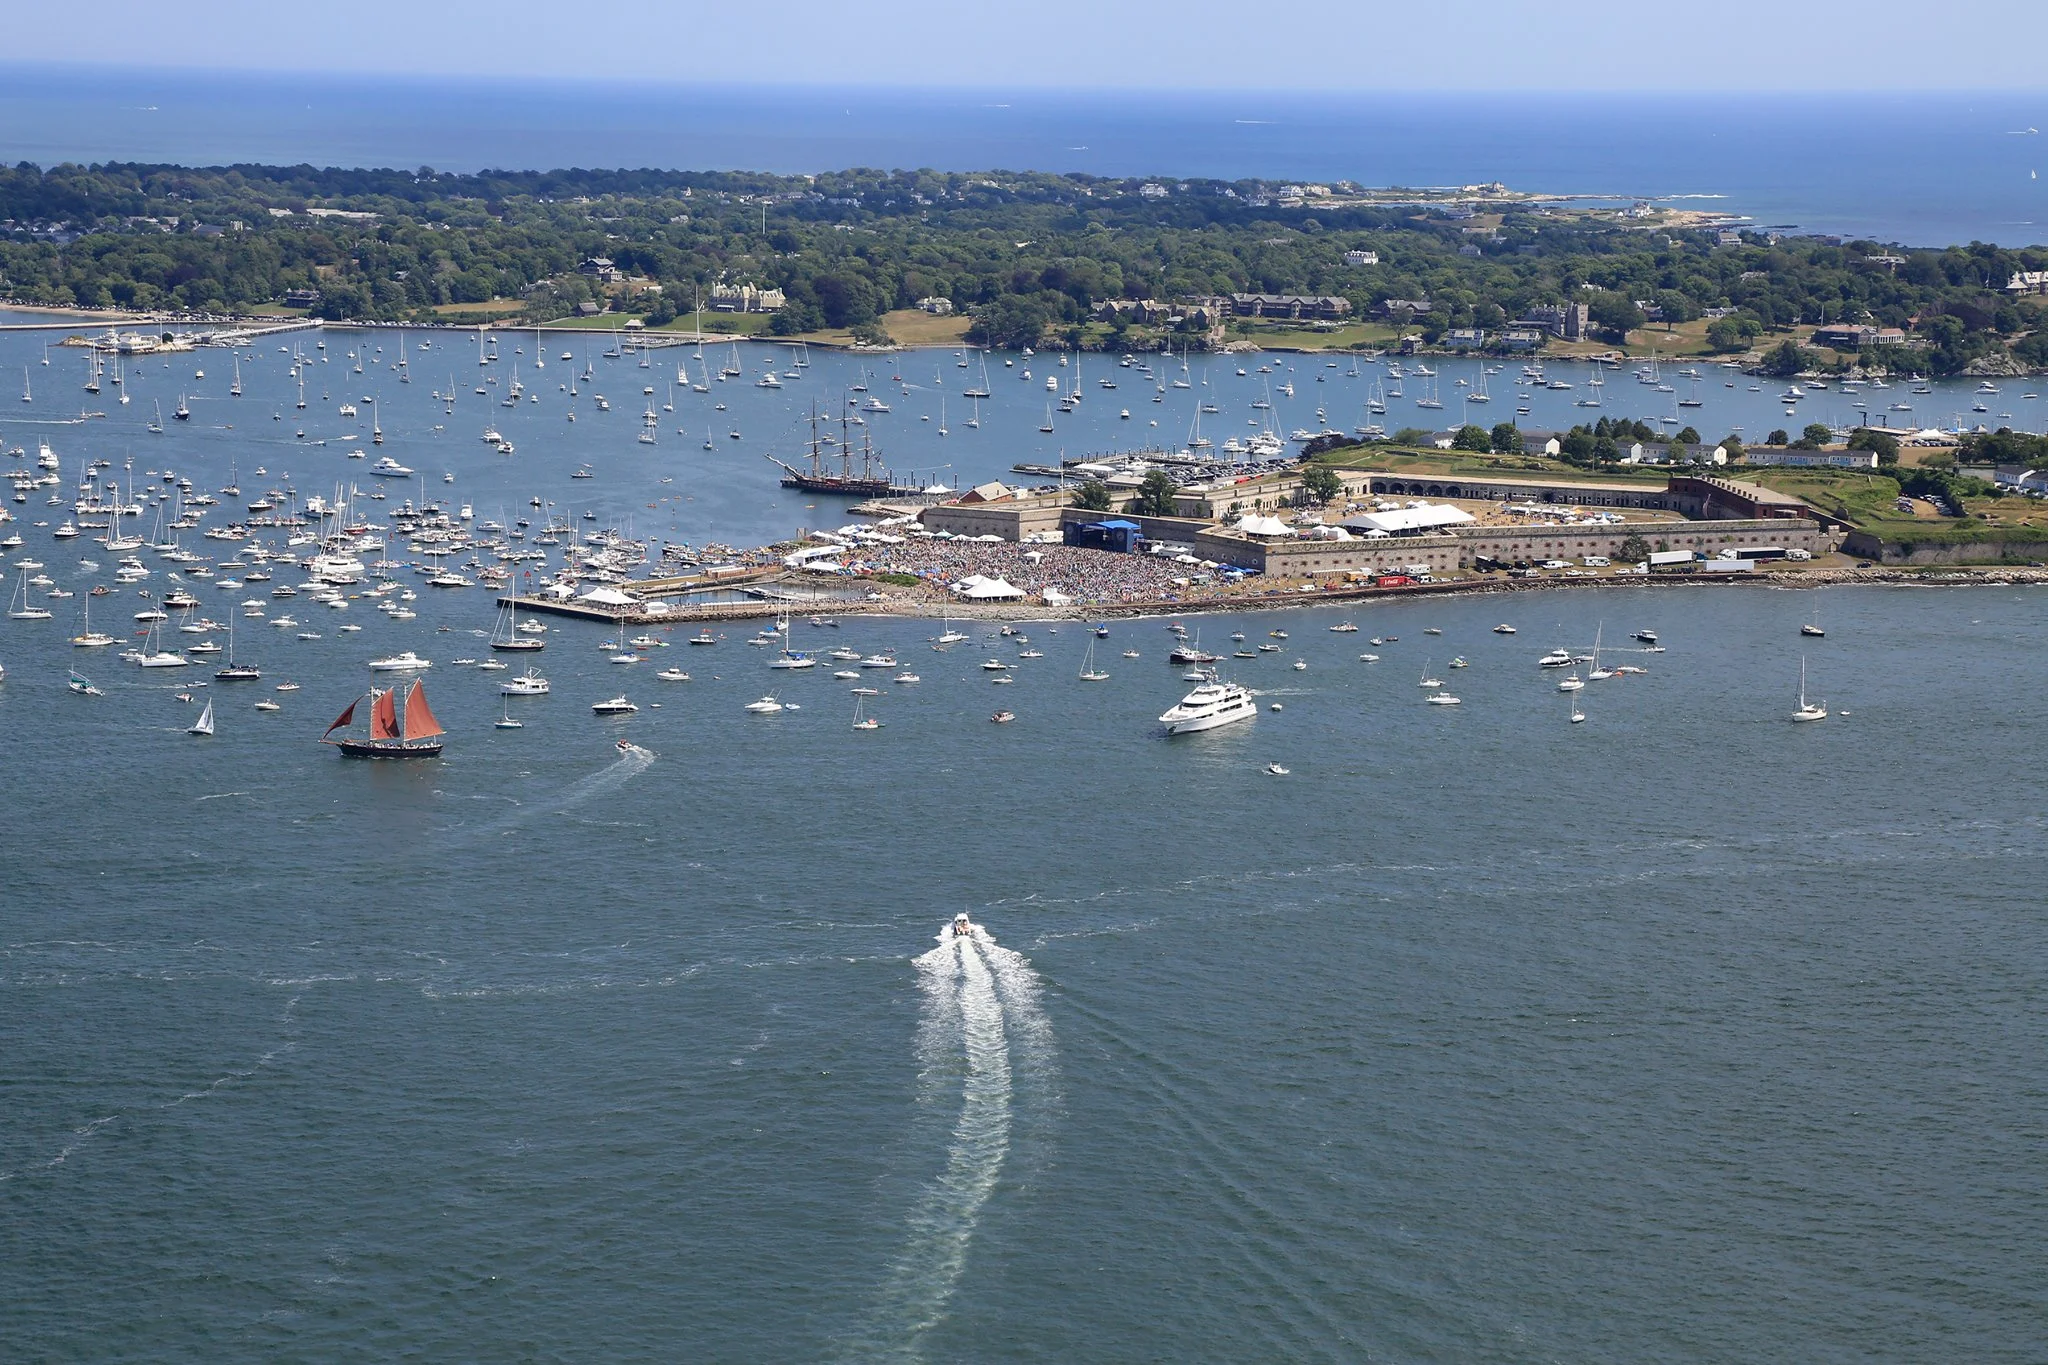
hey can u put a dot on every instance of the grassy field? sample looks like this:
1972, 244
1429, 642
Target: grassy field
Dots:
1352, 336
1468, 464
1869, 500
495, 309
914, 327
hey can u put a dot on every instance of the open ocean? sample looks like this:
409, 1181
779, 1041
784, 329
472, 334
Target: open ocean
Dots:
1682, 1034
1924, 169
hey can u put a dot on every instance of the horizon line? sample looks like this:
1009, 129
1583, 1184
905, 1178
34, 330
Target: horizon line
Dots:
981, 89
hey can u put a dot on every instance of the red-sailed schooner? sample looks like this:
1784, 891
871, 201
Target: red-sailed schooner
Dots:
401, 725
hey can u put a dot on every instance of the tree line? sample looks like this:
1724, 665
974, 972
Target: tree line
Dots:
1029, 256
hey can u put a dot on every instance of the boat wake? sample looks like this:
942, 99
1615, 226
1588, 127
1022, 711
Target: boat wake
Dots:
982, 1033
613, 775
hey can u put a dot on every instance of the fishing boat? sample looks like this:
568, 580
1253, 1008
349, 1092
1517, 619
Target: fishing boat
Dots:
401, 724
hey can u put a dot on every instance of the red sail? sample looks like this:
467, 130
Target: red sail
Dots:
419, 721
347, 718
384, 716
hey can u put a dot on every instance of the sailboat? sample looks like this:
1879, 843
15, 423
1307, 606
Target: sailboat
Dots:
1808, 710
204, 725
21, 609
87, 637
1813, 627
235, 389
235, 672
1089, 672
513, 641
82, 685
401, 724
27, 395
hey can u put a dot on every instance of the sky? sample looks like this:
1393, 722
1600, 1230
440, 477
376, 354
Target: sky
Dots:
1677, 50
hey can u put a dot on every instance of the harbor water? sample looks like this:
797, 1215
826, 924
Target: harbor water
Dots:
1681, 1033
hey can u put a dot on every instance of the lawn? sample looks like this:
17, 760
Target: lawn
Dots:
1351, 336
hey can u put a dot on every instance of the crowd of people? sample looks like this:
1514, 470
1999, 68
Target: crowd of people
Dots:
1085, 575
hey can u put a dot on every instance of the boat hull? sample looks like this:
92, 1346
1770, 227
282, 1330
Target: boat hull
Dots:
1222, 715
387, 748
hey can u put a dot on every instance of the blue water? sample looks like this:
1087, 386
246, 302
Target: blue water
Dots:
1684, 1033
1925, 169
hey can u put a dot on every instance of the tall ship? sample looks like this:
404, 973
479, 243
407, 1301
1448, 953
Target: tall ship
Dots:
401, 725
872, 480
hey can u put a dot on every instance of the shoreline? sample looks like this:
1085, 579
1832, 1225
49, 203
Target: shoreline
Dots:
907, 607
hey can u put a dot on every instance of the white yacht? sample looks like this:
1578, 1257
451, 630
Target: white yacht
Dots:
527, 684
1556, 658
767, 706
617, 706
1211, 704
388, 467
408, 662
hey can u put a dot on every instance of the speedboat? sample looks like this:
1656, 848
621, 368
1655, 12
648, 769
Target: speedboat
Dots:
1276, 770
767, 706
906, 678
617, 706
673, 675
1211, 704
1443, 699
628, 749
1003, 717
1505, 629
1648, 637
1556, 658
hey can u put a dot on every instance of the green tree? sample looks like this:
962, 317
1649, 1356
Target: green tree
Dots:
1093, 496
1687, 437
1733, 445
1155, 494
1884, 443
1634, 550
1507, 439
1615, 314
1777, 437
1784, 360
1816, 435
1321, 483
1605, 451
1472, 436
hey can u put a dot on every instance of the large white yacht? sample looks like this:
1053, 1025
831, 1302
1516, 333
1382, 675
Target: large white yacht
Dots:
1211, 704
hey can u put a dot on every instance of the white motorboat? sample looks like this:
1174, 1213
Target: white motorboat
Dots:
767, 706
1556, 658
617, 706
408, 662
527, 684
1211, 704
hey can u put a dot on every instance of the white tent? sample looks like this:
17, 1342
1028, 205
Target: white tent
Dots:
1054, 597
1270, 527
977, 588
609, 597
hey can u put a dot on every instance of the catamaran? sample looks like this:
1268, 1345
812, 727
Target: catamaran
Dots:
401, 725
